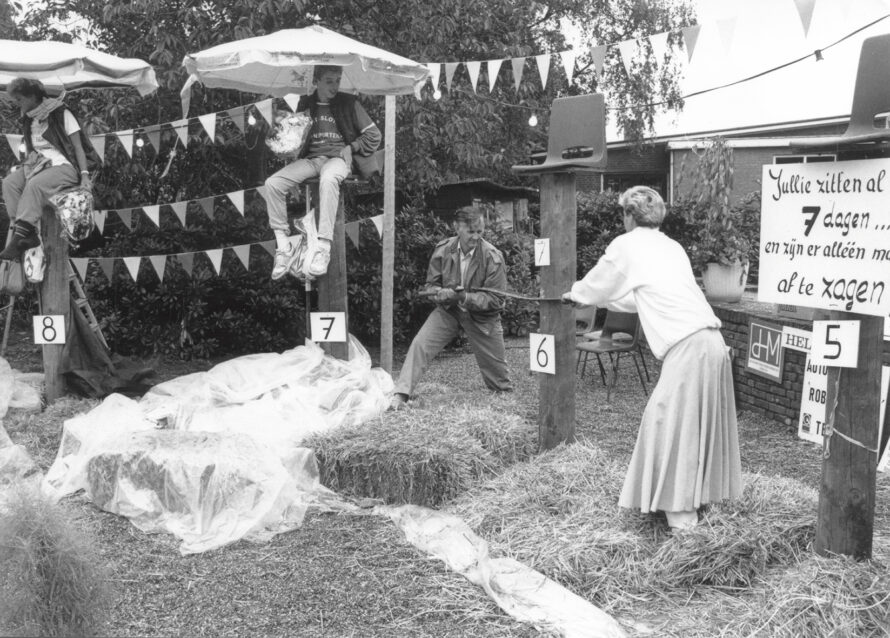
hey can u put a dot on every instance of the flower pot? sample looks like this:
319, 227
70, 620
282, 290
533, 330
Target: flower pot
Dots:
725, 283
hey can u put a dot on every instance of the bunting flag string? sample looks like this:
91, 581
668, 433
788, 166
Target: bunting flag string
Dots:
518, 67
805, 11
543, 62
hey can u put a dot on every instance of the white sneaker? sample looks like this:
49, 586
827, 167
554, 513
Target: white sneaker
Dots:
283, 260
321, 259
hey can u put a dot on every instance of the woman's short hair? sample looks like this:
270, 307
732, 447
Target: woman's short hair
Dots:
644, 205
321, 69
27, 87
468, 214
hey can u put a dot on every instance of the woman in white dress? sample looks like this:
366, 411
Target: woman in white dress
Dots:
687, 451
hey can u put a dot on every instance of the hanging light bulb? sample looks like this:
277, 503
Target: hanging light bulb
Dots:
251, 119
22, 147
140, 142
437, 94
533, 120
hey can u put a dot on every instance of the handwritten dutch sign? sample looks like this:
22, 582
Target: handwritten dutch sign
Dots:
825, 236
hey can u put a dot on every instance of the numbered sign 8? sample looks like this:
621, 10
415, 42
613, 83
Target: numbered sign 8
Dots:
835, 344
542, 353
542, 252
49, 329
328, 326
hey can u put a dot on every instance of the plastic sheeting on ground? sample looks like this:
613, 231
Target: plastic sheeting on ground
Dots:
216, 456
522, 592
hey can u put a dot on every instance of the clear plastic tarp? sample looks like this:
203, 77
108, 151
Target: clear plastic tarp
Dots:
217, 456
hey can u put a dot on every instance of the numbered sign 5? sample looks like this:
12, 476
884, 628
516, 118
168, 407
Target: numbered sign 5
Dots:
49, 329
835, 343
542, 353
542, 252
328, 326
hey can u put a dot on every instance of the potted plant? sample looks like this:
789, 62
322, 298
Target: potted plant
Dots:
719, 251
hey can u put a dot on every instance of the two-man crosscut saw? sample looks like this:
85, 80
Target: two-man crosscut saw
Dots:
494, 291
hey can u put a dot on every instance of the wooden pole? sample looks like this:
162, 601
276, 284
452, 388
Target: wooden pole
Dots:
556, 399
332, 288
389, 234
847, 495
55, 299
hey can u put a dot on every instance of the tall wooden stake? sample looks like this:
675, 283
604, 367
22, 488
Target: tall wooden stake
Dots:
847, 495
556, 403
389, 234
332, 288
55, 299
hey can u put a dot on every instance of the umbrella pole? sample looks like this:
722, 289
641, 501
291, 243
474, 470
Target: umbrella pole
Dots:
308, 304
389, 212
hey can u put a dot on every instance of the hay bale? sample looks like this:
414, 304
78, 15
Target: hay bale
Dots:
420, 456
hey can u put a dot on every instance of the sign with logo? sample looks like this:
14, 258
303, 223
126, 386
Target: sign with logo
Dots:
765, 353
812, 402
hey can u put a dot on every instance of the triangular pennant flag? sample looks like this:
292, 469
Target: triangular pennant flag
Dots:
518, 66
207, 204
726, 27
352, 232
659, 42
99, 217
180, 209
568, 64
450, 68
243, 254
153, 213
159, 262
126, 139
473, 70
237, 116
132, 264
293, 101
598, 55
182, 131
237, 198
378, 224
215, 256
188, 262
690, 37
99, 144
80, 265
435, 73
261, 191
154, 138
14, 142
805, 10
107, 266
627, 48
126, 216
265, 109
492, 68
208, 121
543, 62
269, 246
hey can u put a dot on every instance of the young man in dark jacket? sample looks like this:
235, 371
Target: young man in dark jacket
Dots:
458, 265
341, 134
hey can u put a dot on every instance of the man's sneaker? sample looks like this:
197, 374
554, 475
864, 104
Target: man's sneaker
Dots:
321, 259
283, 260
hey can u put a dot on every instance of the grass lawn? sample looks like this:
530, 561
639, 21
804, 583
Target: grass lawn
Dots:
353, 575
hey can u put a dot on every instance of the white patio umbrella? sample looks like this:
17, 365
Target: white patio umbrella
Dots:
71, 66
282, 63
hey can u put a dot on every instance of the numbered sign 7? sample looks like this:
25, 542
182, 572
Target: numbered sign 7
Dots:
328, 326
542, 252
542, 353
49, 329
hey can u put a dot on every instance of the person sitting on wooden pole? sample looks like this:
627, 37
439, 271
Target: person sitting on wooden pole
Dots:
687, 450
460, 264
341, 135
60, 157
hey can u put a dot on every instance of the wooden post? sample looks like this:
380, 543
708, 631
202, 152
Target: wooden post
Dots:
556, 402
332, 289
389, 234
847, 495
55, 299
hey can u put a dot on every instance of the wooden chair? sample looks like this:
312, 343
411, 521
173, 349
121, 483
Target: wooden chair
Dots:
626, 322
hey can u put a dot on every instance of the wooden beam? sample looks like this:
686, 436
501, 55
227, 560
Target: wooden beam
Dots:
55, 299
332, 288
389, 234
847, 496
556, 402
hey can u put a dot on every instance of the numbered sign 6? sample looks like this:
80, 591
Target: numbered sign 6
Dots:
49, 329
542, 252
835, 343
542, 355
328, 326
